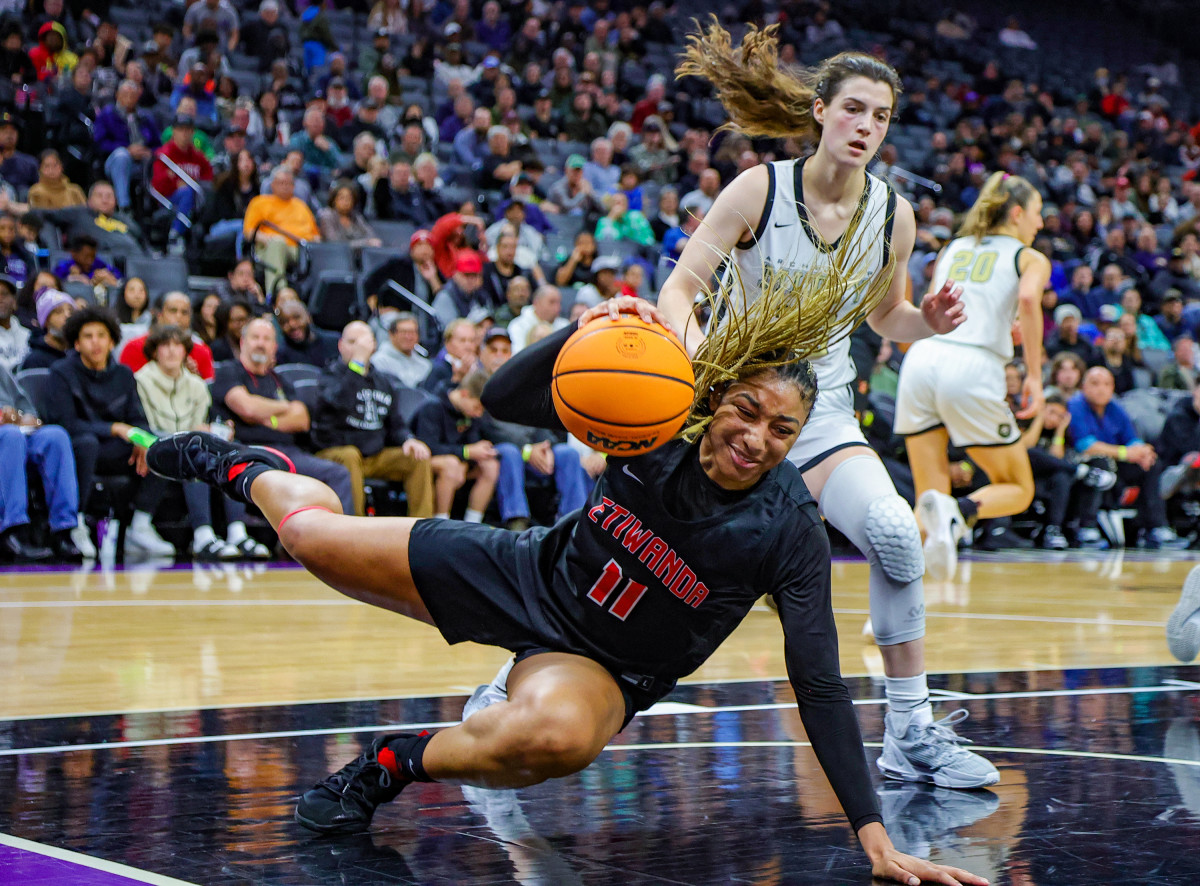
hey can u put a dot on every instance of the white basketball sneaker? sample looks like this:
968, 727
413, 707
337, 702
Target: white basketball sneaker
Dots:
932, 752
943, 525
1183, 627
489, 693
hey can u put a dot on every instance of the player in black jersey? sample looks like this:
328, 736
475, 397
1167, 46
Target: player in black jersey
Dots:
604, 610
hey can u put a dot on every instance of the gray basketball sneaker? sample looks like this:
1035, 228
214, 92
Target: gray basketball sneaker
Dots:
489, 693
1183, 627
933, 753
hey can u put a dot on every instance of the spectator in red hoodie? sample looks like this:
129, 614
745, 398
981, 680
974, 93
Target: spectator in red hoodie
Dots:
181, 150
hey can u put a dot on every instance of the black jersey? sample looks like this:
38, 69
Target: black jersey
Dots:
637, 585
645, 581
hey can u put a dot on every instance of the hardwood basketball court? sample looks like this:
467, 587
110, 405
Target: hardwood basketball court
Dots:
160, 721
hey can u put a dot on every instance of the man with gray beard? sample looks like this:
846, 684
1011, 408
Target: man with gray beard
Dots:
265, 411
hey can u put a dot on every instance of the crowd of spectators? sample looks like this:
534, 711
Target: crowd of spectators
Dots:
483, 172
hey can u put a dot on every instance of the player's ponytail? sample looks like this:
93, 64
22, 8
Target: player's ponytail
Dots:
764, 98
1000, 194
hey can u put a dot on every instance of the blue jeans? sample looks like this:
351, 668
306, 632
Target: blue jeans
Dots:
119, 169
49, 450
184, 201
570, 479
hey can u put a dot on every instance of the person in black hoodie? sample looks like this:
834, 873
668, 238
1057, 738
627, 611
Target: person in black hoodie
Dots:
450, 427
95, 399
357, 424
1179, 447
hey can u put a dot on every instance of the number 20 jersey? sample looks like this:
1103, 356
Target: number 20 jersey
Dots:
987, 272
641, 590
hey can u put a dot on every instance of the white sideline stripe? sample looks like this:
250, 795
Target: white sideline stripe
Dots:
88, 861
336, 601
660, 709
68, 604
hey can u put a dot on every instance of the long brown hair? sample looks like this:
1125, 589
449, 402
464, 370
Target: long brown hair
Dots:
999, 195
764, 98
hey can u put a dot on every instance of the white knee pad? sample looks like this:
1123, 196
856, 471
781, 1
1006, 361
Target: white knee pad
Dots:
860, 500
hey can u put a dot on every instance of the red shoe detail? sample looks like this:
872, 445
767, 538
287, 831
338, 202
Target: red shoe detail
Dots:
236, 470
290, 463
387, 760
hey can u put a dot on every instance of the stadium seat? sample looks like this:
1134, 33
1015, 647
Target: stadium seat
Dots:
410, 401
166, 274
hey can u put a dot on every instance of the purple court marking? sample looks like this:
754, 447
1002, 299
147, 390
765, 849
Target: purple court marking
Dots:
33, 864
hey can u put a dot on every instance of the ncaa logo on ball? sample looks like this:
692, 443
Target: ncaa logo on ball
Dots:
630, 345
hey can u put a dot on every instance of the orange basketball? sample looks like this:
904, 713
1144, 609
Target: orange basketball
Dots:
623, 387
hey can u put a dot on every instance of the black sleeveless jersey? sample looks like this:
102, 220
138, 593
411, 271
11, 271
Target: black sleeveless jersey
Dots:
641, 589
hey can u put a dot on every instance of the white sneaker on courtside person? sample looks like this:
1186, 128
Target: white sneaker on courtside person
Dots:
943, 525
1183, 627
81, 535
931, 751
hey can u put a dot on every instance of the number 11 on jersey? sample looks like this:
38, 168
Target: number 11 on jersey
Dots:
607, 583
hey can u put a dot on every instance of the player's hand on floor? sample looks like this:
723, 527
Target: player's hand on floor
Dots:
625, 304
907, 869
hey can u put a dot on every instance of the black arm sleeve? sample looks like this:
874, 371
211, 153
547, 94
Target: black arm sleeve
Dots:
810, 639
519, 392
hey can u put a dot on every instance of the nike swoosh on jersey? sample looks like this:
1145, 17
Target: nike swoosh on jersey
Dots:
786, 224
632, 475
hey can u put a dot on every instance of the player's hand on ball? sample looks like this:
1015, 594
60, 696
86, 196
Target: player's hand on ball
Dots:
901, 868
943, 310
624, 304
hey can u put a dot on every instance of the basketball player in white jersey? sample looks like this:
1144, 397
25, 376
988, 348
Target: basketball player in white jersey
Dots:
952, 386
798, 216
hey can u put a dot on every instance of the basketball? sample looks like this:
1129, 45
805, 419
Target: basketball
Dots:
623, 387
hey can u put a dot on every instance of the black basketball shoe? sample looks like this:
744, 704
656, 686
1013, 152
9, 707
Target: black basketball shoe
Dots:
196, 455
346, 802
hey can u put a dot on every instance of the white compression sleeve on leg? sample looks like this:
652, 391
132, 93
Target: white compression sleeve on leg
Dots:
861, 502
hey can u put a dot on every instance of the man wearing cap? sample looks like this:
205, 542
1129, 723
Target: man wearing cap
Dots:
463, 291
573, 193
356, 423
182, 152
265, 37
1175, 276
544, 309
366, 122
369, 56
17, 168
545, 121
14, 338
54, 308
605, 282
126, 134
1170, 319
398, 356
1067, 338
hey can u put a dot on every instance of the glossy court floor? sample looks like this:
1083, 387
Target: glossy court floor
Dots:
157, 724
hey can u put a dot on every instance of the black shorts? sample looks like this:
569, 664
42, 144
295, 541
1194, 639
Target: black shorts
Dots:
469, 577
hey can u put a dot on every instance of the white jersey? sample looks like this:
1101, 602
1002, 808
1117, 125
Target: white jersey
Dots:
786, 241
987, 271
